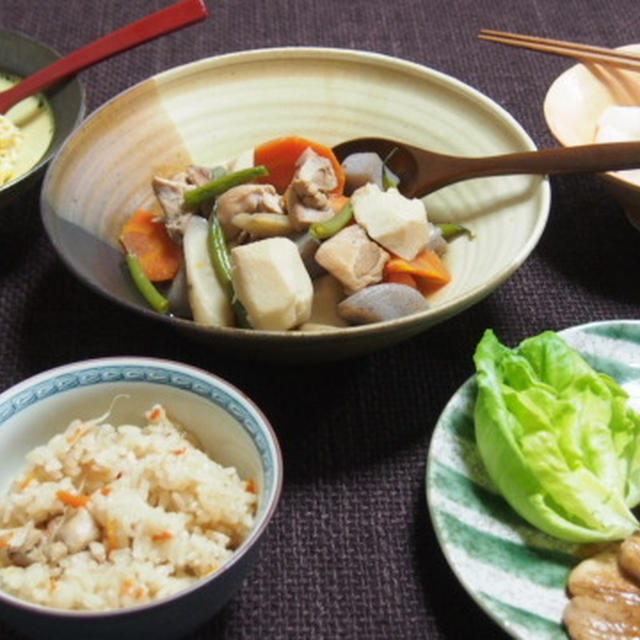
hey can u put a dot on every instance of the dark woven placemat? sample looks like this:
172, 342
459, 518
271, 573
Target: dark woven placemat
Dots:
351, 552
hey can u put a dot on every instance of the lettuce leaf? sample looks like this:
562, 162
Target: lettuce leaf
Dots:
558, 438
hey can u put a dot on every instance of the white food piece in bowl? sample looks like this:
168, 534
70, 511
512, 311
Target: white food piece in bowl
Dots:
272, 283
207, 297
620, 124
399, 224
353, 258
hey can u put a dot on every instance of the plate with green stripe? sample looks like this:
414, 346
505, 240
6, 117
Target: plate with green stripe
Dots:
514, 572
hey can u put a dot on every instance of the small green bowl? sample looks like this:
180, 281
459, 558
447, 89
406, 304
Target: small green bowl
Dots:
22, 55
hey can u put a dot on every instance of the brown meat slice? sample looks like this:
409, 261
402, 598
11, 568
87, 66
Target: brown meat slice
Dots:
591, 619
602, 578
629, 556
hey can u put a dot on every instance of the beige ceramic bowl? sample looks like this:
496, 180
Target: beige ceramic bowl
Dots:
575, 101
210, 110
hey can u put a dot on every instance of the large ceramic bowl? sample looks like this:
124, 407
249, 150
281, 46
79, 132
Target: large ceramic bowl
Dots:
228, 426
575, 102
21, 55
211, 110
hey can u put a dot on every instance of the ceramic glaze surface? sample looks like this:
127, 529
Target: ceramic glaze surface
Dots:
575, 101
21, 55
229, 427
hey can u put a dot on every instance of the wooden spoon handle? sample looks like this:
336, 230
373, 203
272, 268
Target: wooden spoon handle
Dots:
164, 21
578, 159
583, 158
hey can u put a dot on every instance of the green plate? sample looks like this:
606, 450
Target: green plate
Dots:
514, 572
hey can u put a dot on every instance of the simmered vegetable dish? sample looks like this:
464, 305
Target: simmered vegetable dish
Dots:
285, 237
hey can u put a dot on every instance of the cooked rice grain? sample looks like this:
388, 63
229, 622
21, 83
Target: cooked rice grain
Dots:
106, 517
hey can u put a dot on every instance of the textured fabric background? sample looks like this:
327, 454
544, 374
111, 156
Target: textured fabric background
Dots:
351, 552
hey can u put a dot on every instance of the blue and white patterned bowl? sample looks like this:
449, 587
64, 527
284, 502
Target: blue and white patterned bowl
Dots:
229, 427
514, 572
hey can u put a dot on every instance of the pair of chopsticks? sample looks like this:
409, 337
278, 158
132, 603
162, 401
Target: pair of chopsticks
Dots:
582, 52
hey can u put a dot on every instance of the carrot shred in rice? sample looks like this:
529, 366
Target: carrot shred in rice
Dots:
76, 500
163, 536
179, 452
252, 485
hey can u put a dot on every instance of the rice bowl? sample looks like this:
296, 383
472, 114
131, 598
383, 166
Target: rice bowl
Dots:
106, 517
227, 426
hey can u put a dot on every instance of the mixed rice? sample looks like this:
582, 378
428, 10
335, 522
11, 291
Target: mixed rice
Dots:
106, 517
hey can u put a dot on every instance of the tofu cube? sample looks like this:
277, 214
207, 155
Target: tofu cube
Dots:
399, 224
272, 283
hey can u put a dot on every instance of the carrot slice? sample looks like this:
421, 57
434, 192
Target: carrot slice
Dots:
147, 238
427, 269
401, 277
163, 536
280, 156
76, 500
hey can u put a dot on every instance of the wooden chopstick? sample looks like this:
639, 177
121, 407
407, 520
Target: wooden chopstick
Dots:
582, 52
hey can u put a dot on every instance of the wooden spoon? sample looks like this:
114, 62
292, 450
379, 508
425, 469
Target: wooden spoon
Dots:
422, 171
164, 21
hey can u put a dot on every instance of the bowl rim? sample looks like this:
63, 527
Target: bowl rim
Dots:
266, 430
437, 313
49, 154
611, 176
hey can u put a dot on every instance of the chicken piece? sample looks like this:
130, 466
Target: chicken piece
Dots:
272, 283
25, 546
198, 176
170, 194
306, 204
602, 578
590, 619
78, 531
353, 258
307, 197
246, 198
312, 167
399, 224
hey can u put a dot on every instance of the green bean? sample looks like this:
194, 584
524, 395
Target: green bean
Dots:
149, 292
213, 189
328, 228
222, 264
450, 231
219, 251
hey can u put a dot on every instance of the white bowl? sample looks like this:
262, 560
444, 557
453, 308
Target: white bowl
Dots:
227, 424
211, 110
575, 101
